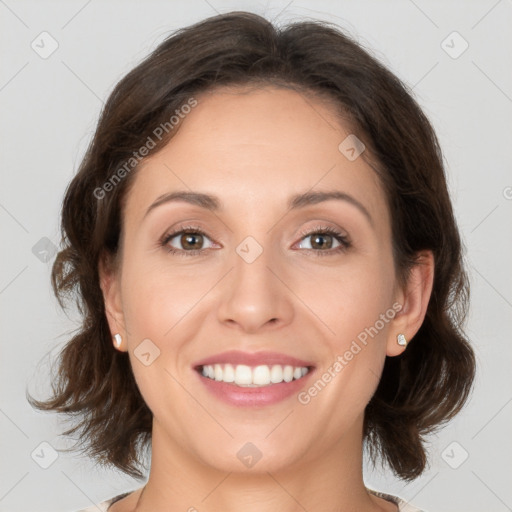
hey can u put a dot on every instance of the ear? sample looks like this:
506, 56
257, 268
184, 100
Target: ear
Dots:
413, 298
110, 286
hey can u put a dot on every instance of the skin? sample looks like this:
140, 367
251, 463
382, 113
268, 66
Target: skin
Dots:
253, 148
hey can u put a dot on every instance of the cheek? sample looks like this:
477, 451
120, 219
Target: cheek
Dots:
156, 299
350, 299
161, 304
156, 309
356, 306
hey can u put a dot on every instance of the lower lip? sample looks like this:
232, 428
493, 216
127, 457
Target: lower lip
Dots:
249, 397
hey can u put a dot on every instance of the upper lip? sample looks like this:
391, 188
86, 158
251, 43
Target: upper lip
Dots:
235, 357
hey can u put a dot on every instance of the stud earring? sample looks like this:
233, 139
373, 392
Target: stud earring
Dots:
117, 340
400, 339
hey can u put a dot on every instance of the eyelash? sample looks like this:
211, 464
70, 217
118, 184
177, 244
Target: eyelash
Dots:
317, 230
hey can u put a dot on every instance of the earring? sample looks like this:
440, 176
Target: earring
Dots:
400, 339
117, 340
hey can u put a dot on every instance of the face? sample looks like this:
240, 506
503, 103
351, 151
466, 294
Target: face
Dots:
261, 267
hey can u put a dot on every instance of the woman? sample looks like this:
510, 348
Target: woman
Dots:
270, 273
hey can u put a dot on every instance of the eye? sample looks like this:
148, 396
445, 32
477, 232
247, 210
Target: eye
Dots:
324, 239
190, 238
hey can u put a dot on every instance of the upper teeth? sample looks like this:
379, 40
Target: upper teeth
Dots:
246, 376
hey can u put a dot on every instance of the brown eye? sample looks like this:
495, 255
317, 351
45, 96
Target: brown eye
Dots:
321, 241
186, 241
324, 241
191, 240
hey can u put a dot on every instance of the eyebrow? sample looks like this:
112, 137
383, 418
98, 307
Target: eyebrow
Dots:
295, 202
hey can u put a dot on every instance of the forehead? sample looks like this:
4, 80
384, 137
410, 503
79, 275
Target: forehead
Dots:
256, 147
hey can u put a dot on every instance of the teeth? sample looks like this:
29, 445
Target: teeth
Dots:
276, 374
228, 374
243, 375
259, 376
288, 373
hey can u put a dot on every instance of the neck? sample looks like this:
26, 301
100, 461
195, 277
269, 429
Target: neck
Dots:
329, 480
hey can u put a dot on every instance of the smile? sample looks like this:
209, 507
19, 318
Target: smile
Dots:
258, 376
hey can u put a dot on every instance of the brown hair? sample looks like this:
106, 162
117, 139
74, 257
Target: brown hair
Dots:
419, 390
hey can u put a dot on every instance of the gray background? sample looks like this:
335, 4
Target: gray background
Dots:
49, 110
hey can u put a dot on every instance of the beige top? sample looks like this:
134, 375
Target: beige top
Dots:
403, 506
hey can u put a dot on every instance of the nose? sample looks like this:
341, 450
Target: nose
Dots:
255, 295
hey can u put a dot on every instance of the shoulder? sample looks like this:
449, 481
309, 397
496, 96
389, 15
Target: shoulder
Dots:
104, 505
403, 506
100, 507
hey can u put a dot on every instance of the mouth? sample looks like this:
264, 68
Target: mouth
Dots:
242, 375
243, 379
